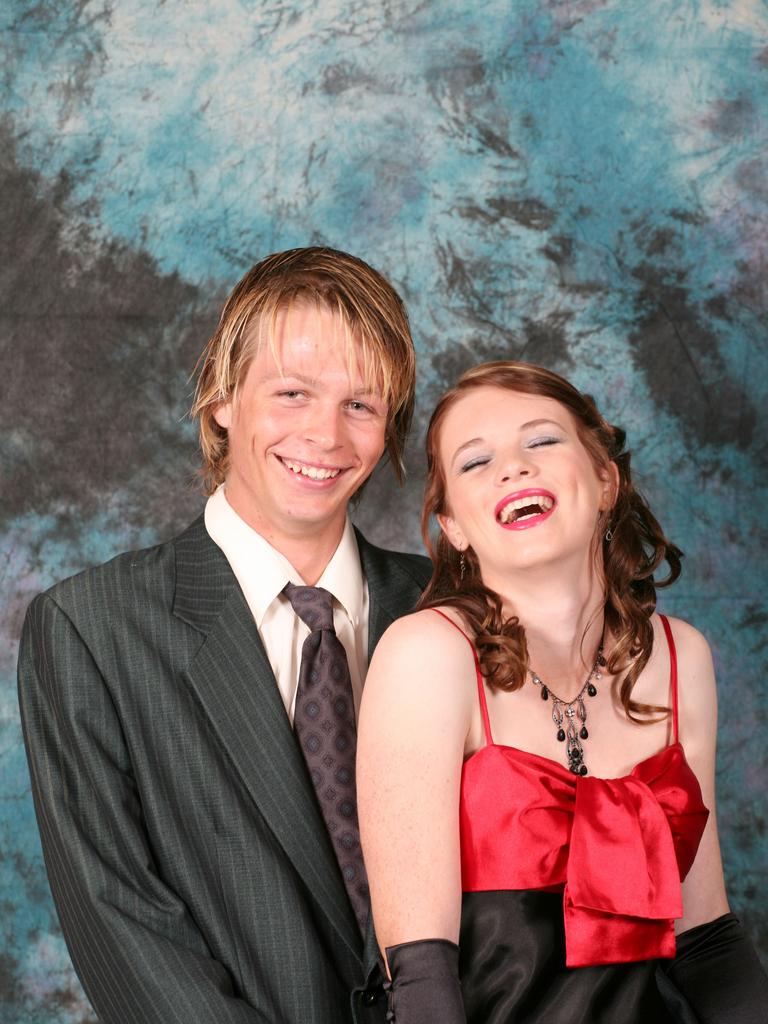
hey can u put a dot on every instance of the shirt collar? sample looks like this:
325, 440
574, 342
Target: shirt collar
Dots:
343, 576
262, 571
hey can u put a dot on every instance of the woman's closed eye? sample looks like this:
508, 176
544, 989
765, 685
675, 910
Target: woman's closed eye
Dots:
480, 460
542, 442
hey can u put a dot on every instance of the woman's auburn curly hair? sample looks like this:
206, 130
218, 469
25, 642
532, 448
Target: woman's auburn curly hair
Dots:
635, 551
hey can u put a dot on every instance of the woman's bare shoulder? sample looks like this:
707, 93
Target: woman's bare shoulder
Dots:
425, 630
696, 687
422, 646
694, 656
685, 634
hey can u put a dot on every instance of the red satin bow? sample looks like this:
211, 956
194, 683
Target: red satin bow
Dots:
620, 847
623, 888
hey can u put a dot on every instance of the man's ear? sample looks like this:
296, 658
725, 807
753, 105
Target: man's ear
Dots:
455, 537
222, 413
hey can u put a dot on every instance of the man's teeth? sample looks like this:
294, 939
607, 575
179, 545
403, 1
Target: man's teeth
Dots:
313, 472
535, 504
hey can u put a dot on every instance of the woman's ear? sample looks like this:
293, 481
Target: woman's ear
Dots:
455, 537
610, 477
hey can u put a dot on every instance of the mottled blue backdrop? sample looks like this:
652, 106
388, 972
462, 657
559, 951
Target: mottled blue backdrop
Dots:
580, 184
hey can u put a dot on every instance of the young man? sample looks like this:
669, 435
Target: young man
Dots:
189, 710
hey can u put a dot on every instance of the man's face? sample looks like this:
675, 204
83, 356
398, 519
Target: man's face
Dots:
304, 431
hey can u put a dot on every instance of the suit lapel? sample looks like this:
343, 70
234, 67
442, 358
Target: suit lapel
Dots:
235, 685
392, 590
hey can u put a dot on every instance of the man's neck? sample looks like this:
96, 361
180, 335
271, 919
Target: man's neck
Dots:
308, 547
309, 556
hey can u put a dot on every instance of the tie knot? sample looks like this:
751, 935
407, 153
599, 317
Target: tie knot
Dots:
313, 605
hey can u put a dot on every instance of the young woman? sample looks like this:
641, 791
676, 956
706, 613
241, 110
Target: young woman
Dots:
536, 745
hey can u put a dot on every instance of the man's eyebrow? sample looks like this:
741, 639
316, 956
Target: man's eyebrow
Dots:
269, 378
286, 375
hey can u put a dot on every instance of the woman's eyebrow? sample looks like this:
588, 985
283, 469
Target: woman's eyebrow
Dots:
461, 447
538, 423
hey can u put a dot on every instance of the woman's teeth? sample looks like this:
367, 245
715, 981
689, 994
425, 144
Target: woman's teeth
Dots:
522, 508
313, 472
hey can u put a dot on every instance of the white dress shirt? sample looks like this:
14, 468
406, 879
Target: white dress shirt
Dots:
262, 572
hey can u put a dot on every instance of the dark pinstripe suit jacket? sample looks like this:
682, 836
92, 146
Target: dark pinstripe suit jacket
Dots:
189, 863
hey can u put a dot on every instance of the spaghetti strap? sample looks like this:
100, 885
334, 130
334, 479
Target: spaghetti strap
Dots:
478, 673
672, 674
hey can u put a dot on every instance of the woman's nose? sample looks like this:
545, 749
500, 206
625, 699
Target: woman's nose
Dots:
515, 468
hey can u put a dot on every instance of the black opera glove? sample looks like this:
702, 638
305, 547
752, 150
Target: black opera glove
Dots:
425, 986
717, 970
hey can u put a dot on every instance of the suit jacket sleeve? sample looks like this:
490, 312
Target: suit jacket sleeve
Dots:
132, 941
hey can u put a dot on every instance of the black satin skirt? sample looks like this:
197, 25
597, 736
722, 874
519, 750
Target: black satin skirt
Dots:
512, 968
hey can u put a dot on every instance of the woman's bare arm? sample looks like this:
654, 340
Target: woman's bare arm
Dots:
416, 712
704, 895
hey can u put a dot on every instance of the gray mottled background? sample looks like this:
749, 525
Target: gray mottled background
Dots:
582, 184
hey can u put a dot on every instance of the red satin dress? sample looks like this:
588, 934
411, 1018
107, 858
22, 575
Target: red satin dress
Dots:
561, 871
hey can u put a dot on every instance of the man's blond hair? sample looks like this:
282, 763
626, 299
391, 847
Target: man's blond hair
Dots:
371, 313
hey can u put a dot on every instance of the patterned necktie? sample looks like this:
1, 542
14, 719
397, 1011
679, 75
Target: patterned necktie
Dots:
324, 723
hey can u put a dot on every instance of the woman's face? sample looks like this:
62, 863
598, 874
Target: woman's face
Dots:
521, 488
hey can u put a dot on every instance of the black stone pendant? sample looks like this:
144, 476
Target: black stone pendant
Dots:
570, 716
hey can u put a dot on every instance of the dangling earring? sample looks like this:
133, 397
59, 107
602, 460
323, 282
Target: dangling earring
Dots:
462, 567
608, 536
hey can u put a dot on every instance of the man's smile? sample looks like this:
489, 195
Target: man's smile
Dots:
310, 470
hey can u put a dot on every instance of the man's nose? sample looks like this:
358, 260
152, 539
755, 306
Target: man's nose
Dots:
323, 427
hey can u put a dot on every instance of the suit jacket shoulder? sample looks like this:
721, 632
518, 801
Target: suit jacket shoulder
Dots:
395, 583
146, 570
147, 597
416, 567
122, 579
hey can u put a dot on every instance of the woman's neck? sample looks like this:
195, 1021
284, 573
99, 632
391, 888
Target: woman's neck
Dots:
563, 621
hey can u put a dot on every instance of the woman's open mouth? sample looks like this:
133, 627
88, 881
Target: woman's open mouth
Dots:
524, 509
